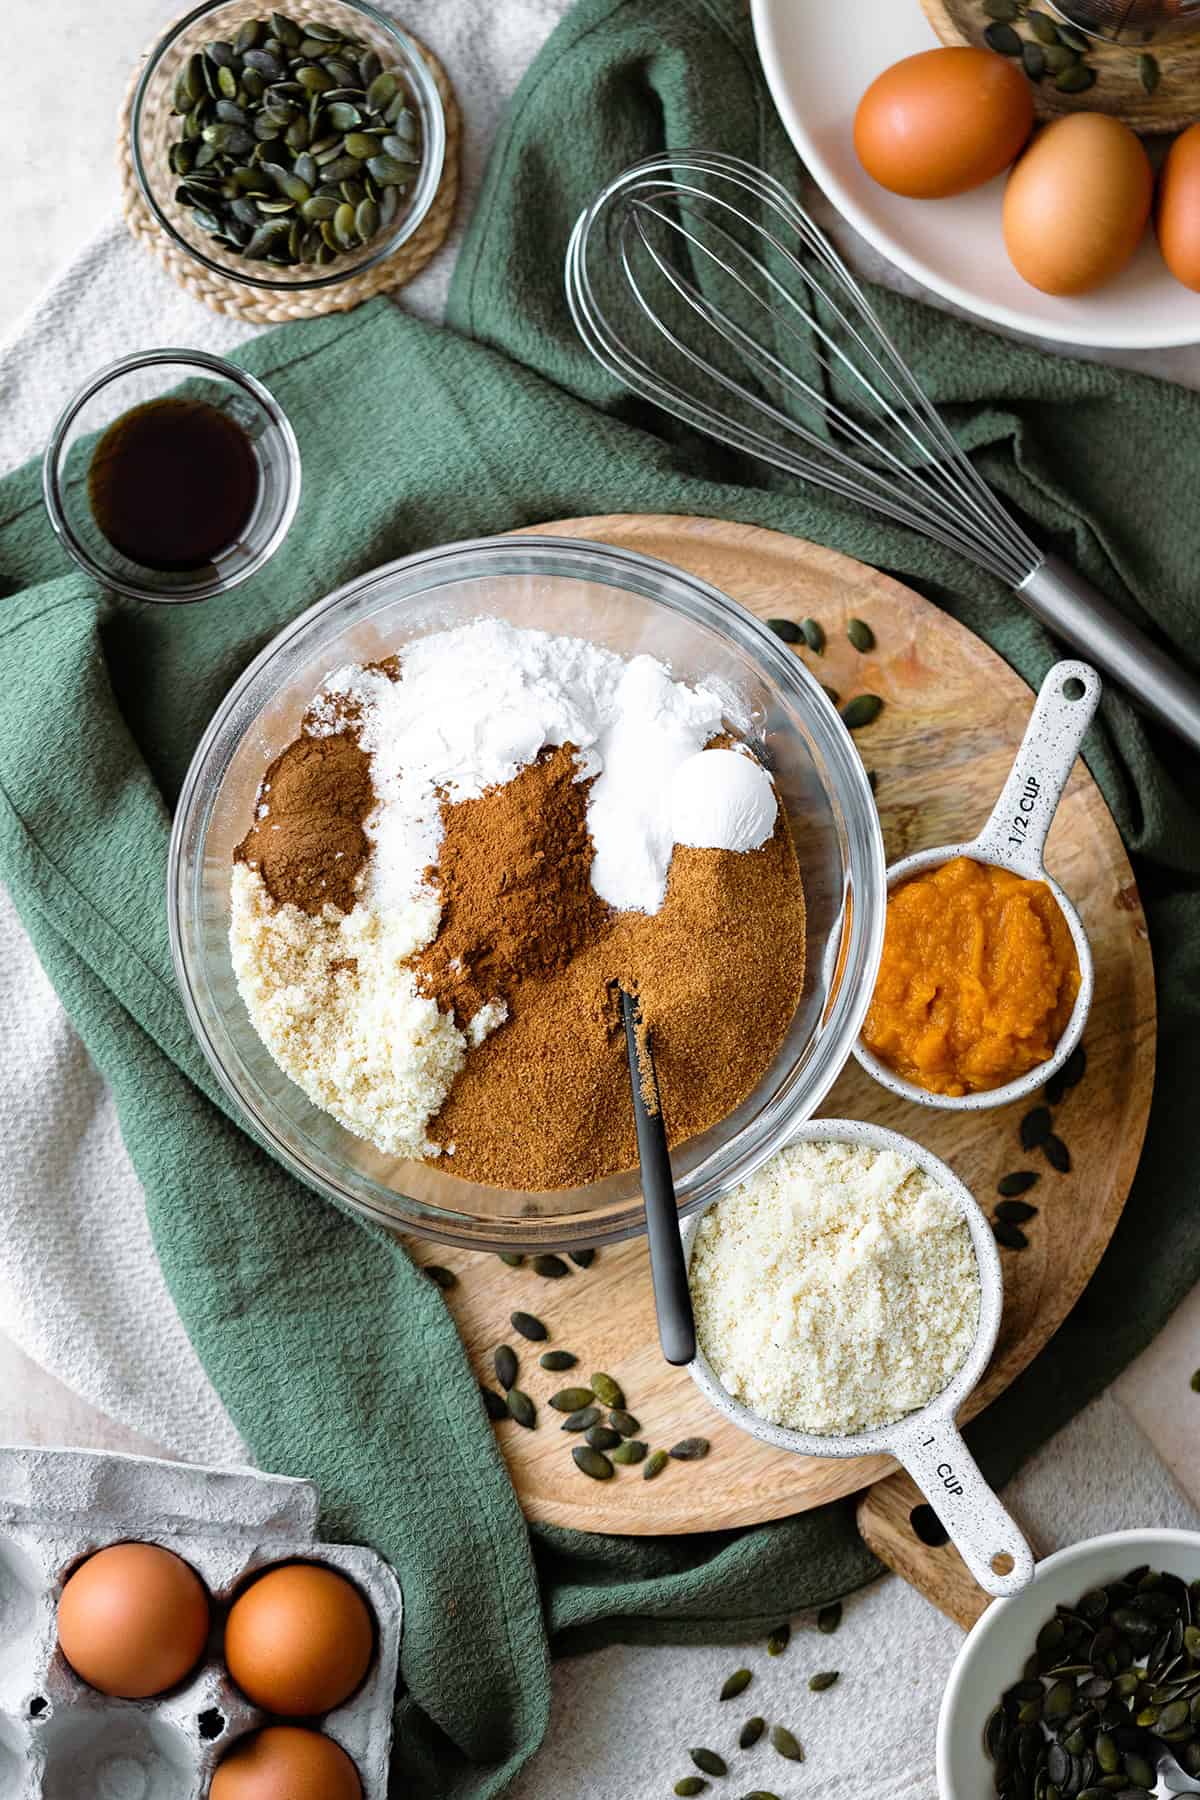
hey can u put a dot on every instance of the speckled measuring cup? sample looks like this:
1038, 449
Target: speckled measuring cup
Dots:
927, 1443
1015, 838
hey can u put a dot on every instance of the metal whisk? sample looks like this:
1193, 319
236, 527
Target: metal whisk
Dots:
706, 287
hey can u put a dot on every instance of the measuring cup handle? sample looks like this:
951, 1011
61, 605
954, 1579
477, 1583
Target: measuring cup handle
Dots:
943, 1468
1016, 832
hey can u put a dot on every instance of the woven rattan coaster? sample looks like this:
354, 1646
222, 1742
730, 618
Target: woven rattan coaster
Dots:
274, 307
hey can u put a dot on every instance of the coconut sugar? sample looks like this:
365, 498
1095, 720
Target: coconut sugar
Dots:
836, 1290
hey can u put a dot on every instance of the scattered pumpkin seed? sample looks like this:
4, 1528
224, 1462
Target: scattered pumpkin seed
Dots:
522, 1409
824, 1678
1057, 1154
750, 1733
529, 1327
1035, 1128
1076, 80
1003, 38
624, 1422
583, 1259
690, 1784
860, 634
862, 710
656, 1462
779, 1640
831, 694
1033, 56
571, 1399
557, 1360
691, 1449
1042, 27
1016, 1212
493, 1403
786, 1743
1003, 10
629, 1450
593, 1463
606, 1390
736, 1684
511, 1258
603, 1437
1077, 39
1149, 73
1060, 57
1019, 1182
709, 1761
787, 629
443, 1278
813, 633
1011, 1237
505, 1361
553, 1268
759, 1794
583, 1420
829, 1618
1195, 1384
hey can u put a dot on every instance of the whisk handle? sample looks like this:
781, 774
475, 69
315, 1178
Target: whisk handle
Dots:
1074, 611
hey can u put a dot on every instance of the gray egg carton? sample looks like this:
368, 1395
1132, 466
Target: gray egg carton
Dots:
60, 1739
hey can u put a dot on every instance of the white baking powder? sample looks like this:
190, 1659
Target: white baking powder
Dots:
836, 1290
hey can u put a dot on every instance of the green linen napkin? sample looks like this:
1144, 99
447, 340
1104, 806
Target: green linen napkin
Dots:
314, 1327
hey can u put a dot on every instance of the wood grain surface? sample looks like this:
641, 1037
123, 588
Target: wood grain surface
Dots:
1118, 87
953, 717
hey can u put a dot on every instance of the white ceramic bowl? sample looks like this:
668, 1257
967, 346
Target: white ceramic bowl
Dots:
995, 1649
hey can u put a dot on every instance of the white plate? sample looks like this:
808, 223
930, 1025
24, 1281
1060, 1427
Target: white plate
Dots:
819, 56
994, 1650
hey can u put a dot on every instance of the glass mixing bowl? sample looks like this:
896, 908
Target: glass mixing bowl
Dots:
631, 604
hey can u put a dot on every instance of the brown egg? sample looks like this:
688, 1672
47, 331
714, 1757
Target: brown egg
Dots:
133, 1620
942, 122
285, 1762
1076, 204
299, 1640
1179, 208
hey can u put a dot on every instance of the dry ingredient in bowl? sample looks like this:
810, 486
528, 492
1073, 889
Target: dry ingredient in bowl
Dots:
836, 1290
462, 852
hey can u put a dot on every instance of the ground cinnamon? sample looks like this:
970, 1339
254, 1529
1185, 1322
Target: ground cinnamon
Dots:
307, 840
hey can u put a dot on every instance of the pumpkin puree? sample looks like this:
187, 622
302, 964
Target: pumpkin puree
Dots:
978, 978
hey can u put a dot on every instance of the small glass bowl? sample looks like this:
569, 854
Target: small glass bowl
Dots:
155, 126
134, 381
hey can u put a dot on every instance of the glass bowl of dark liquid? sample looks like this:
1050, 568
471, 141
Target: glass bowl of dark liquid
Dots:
172, 476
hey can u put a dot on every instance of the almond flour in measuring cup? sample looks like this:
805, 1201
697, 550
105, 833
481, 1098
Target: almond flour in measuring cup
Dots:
836, 1290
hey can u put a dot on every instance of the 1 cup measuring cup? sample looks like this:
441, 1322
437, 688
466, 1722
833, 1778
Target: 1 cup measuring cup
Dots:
1014, 838
926, 1443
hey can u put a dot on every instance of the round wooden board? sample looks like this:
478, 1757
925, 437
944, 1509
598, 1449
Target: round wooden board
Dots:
955, 713
1117, 89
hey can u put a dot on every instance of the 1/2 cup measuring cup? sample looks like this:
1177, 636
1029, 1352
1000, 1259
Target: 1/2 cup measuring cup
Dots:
927, 1443
1014, 838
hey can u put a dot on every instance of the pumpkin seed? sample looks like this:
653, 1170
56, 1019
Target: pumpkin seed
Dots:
779, 1640
571, 1399
750, 1733
624, 1423
1076, 80
606, 1389
387, 171
343, 226
814, 635
1011, 1237
829, 1618
1074, 37
691, 1449
603, 1437
736, 1684
1004, 39
1019, 1182
690, 1784
529, 1327
1149, 73
511, 1258
629, 1450
824, 1678
318, 208
1060, 57
493, 1403
361, 144
505, 1361
1033, 56
1035, 1128
1016, 1212
859, 632
553, 1268
381, 90
786, 1743
583, 1420
583, 1259
593, 1463
1004, 10
521, 1408
759, 1794
557, 1360
787, 629
1057, 1154
399, 148
862, 710
1043, 28
1195, 1382
443, 1278
656, 1462
709, 1761
831, 694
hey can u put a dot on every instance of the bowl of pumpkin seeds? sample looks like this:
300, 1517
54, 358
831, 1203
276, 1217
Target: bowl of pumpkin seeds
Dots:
288, 150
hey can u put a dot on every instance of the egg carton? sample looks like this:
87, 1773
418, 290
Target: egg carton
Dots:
60, 1739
